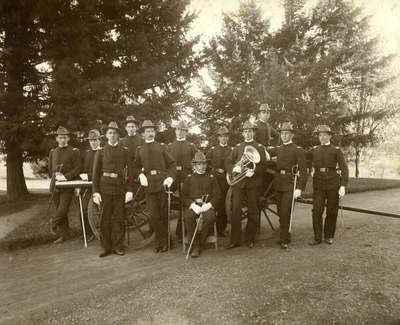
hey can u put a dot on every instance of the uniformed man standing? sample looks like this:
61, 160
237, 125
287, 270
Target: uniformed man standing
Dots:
131, 140
64, 165
110, 189
328, 185
94, 137
200, 195
156, 170
247, 189
217, 156
183, 152
264, 131
290, 160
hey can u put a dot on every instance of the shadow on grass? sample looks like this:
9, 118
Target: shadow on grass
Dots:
36, 231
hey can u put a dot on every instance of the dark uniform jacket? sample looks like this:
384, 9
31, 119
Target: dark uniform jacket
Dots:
288, 156
154, 160
183, 153
88, 160
71, 163
217, 156
132, 143
197, 185
264, 133
111, 159
325, 160
236, 155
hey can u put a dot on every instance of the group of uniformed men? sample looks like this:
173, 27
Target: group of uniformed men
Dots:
117, 169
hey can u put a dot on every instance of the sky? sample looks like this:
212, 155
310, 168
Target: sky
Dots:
385, 17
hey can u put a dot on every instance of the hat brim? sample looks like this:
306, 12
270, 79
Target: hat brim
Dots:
106, 128
281, 130
199, 161
124, 123
318, 132
64, 133
94, 138
142, 128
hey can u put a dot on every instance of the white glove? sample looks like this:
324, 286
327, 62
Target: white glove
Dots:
143, 180
249, 173
196, 208
342, 191
206, 207
60, 178
97, 198
128, 197
168, 181
84, 176
237, 169
297, 193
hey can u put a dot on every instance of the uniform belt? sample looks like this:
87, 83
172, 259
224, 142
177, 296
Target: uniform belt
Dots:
153, 172
325, 169
285, 172
112, 175
179, 167
198, 200
219, 170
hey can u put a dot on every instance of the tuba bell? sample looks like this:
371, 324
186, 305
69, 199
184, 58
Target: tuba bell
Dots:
248, 161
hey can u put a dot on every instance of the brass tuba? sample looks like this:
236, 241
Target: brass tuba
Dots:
248, 161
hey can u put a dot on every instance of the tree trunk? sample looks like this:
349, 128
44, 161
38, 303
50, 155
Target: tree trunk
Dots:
357, 162
16, 186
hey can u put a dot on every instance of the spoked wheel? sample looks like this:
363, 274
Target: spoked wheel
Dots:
137, 223
137, 227
94, 216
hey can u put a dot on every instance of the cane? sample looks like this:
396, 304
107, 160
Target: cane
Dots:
168, 191
82, 219
341, 199
199, 220
296, 173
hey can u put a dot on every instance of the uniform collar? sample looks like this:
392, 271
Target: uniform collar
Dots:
249, 141
149, 141
326, 144
223, 146
196, 172
181, 139
112, 145
62, 147
287, 143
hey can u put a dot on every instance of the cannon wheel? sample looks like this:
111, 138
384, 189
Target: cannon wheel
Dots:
137, 228
266, 202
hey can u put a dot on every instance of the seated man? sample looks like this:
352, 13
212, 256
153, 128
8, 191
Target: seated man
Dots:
200, 195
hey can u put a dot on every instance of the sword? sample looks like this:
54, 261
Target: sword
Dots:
198, 222
82, 219
169, 192
296, 173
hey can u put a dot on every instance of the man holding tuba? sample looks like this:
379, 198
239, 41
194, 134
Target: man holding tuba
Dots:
246, 165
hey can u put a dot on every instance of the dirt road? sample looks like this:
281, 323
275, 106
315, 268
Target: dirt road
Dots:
354, 281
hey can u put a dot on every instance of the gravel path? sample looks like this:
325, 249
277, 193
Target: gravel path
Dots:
354, 281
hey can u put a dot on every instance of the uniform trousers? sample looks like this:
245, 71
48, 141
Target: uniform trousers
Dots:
86, 197
62, 200
112, 226
157, 205
331, 197
221, 218
190, 220
284, 204
250, 194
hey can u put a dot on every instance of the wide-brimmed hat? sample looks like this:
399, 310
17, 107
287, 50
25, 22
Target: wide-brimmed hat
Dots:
62, 131
112, 125
199, 157
286, 126
323, 128
129, 119
248, 125
222, 130
147, 124
93, 134
264, 108
182, 125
